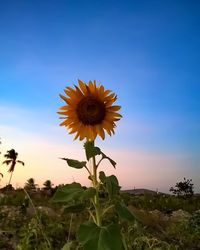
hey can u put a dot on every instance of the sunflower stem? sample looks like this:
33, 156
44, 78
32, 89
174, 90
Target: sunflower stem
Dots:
96, 197
100, 161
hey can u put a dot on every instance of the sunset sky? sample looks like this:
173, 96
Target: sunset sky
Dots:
147, 52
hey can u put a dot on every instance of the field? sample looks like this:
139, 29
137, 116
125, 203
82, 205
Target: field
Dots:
32, 221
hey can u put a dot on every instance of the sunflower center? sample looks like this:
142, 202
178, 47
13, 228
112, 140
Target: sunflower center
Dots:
91, 111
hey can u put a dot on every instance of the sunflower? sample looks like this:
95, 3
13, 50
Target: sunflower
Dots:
89, 111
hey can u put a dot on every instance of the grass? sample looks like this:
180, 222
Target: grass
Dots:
51, 227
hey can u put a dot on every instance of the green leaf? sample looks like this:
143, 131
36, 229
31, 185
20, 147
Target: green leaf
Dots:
69, 192
73, 192
110, 160
100, 238
74, 163
75, 208
111, 184
124, 213
89, 193
91, 150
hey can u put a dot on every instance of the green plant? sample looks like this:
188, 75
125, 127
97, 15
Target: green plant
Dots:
182, 235
151, 243
33, 235
12, 198
194, 222
96, 232
89, 112
32, 238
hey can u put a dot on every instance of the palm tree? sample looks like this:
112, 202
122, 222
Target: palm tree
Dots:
48, 185
30, 185
12, 160
48, 188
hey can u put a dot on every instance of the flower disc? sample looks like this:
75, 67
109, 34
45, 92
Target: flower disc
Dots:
89, 111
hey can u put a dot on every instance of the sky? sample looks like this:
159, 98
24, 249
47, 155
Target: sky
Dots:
147, 52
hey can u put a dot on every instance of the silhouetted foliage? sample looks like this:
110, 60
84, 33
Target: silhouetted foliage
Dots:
183, 188
8, 187
11, 157
48, 185
30, 185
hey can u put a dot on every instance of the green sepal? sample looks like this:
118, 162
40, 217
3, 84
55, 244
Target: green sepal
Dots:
74, 163
93, 237
91, 150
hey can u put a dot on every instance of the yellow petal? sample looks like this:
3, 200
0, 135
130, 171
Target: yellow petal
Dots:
90, 133
74, 95
117, 115
62, 112
78, 91
110, 97
65, 123
81, 135
110, 102
100, 131
107, 92
107, 124
82, 86
64, 107
77, 135
65, 99
114, 108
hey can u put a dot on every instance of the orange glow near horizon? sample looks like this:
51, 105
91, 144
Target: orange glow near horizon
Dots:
134, 169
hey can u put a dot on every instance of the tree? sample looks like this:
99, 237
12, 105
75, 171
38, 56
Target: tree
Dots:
183, 188
30, 185
47, 185
12, 160
48, 189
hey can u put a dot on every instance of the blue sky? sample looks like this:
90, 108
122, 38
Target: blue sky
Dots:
145, 51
